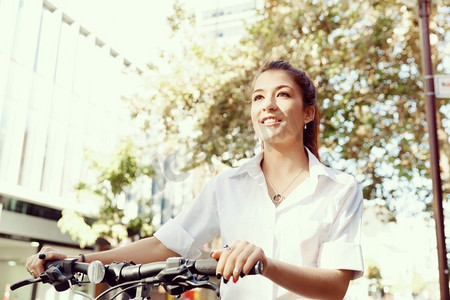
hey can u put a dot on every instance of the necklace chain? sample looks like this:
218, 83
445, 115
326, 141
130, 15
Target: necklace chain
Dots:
278, 197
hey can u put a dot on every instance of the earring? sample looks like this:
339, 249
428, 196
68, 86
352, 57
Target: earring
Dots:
305, 126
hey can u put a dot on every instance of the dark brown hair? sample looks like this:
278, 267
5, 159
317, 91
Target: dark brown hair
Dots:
311, 133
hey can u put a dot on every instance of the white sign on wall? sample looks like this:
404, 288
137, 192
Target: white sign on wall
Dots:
442, 86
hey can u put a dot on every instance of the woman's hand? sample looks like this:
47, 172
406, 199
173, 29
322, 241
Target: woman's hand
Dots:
35, 263
238, 259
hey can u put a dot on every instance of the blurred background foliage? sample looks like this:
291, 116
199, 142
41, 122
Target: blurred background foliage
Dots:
364, 57
109, 190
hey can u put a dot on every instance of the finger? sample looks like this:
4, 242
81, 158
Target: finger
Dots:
245, 251
239, 247
253, 258
224, 255
52, 255
216, 254
34, 266
31, 272
236, 273
37, 266
28, 265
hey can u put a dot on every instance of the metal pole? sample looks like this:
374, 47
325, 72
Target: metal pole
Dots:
424, 13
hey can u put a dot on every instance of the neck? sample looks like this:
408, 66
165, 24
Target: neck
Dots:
284, 170
289, 159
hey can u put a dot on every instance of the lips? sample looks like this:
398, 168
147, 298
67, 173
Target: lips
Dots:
270, 120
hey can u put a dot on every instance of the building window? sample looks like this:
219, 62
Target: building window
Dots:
21, 207
48, 38
66, 53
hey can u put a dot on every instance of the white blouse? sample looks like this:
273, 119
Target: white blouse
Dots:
317, 225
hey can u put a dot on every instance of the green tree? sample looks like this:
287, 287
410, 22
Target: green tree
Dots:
373, 273
364, 57
109, 191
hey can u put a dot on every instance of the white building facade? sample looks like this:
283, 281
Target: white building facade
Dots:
60, 93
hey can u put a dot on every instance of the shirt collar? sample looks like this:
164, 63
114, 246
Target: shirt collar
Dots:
251, 166
316, 168
253, 169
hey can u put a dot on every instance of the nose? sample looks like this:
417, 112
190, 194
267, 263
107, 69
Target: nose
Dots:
270, 104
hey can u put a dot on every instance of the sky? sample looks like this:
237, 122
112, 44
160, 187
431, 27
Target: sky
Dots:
135, 28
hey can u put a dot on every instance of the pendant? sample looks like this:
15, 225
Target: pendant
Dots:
277, 198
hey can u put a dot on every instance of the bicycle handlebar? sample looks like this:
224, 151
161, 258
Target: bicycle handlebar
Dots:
176, 274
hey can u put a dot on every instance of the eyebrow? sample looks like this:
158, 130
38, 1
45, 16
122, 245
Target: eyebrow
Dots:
277, 88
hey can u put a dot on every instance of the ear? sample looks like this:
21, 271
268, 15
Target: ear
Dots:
310, 112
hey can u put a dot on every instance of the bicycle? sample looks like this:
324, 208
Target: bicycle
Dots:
177, 275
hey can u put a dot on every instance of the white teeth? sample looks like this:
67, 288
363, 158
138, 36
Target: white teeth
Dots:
270, 121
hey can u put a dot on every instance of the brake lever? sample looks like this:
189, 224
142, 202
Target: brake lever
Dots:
178, 279
205, 284
56, 278
190, 281
59, 273
24, 282
178, 283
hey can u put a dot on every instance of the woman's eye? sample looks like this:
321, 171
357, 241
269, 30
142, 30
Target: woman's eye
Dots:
257, 97
283, 94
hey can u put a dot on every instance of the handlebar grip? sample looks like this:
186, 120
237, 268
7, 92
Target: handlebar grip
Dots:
208, 267
257, 269
71, 267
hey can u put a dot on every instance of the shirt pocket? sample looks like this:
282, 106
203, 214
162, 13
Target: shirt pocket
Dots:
311, 235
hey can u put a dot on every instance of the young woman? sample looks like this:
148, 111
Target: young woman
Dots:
284, 208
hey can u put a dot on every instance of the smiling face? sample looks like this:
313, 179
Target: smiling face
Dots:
278, 113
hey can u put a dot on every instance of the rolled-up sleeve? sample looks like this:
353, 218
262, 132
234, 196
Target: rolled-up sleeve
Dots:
194, 226
342, 248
